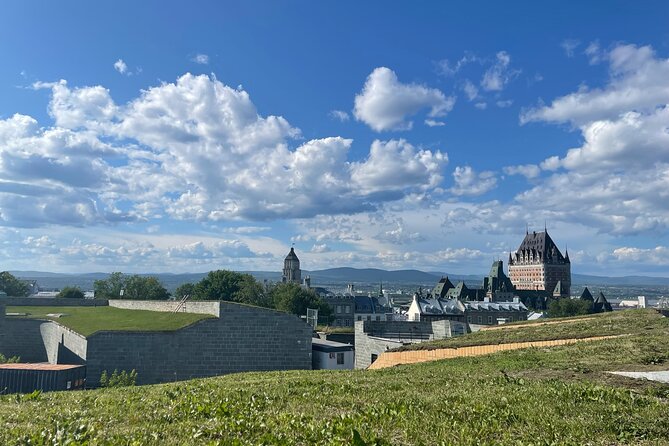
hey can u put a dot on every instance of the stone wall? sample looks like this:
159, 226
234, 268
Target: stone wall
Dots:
21, 337
52, 302
244, 338
63, 346
375, 338
168, 306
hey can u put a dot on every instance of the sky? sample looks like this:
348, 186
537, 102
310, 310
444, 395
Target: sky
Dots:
164, 136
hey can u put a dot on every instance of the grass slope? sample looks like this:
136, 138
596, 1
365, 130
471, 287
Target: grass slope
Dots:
559, 395
604, 324
88, 320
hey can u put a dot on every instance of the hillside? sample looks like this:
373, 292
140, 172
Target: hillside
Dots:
485, 400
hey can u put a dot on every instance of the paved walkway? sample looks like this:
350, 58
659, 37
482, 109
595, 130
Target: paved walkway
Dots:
662, 377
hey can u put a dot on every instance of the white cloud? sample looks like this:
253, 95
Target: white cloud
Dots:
433, 123
470, 90
201, 59
651, 256
505, 103
499, 74
468, 182
339, 115
121, 66
385, 103
481, 105
446, 68
594, 53
527, 170
569, 45
638, 82
195, 149
320, 248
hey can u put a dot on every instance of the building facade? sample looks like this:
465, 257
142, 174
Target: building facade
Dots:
539, 265
291, 268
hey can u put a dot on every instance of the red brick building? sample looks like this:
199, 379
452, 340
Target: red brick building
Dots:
538, 264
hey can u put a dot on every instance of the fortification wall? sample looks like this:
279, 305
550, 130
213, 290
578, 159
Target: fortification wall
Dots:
244, 338
52, 302
21, 337
62, 345
199, 307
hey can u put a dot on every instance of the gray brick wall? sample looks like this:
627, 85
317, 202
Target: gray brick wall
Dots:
21, 337
243, 339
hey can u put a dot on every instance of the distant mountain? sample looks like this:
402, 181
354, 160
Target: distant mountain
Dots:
371, 275
584, 279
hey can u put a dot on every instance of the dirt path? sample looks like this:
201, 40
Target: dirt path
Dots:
390, 359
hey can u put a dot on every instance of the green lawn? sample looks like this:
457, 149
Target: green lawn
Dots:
546, 396
88, 320
604, 324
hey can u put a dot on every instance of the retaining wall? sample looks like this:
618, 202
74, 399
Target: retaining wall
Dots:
168, 306
243, 339
52, 302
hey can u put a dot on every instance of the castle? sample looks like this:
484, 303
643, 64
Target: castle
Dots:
539, 265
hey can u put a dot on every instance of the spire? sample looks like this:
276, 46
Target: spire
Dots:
527, 228
566, 254
545, 227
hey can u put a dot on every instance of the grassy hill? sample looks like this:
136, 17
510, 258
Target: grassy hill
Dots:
88, 320
559, 395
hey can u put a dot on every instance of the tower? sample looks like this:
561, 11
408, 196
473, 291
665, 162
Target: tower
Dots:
291, 268
538, 264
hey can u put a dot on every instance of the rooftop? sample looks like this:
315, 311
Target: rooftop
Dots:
38, 366
88, 320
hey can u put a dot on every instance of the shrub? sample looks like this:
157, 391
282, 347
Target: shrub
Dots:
122, 379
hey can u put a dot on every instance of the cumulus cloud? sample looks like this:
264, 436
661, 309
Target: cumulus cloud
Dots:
527, 170
121, 66
638, 82
386, 104
320, 248
651, 256
201, 59
220, 249
616, 180
194, 149
470, 90
469, 182
433, 123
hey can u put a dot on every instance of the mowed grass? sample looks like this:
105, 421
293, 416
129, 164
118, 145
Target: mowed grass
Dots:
88, 320
558, 395
604, 324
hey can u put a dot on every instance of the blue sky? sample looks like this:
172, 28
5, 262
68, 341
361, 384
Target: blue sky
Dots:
162, 136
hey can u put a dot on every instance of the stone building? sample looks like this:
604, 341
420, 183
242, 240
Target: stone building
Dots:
291, 268
539, 265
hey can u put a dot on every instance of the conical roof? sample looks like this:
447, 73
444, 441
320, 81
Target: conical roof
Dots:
601, 304
586, 295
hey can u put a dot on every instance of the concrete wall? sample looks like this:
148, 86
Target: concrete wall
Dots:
63, 346
21, 337
244, 338
168, 306
52, 302
375, 338
323, 361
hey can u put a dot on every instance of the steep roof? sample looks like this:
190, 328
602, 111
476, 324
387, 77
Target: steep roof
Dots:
543, 245
442, 287
586, 295
601, 304
291, 255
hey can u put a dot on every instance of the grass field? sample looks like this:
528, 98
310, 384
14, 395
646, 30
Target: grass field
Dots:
604, 324
559, 395
88, 320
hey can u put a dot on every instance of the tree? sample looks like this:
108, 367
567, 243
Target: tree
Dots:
12, 286
71, 292
185, 289
144, 288
134, 287
566, 307
292, 298
109, 288
231, 286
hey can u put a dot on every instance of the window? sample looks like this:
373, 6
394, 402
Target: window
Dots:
469, 319
378, 318
347, 309
359, 318
347, 322
374, 357
480, 319
369, 318
338, 310
340, 358
489, 319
